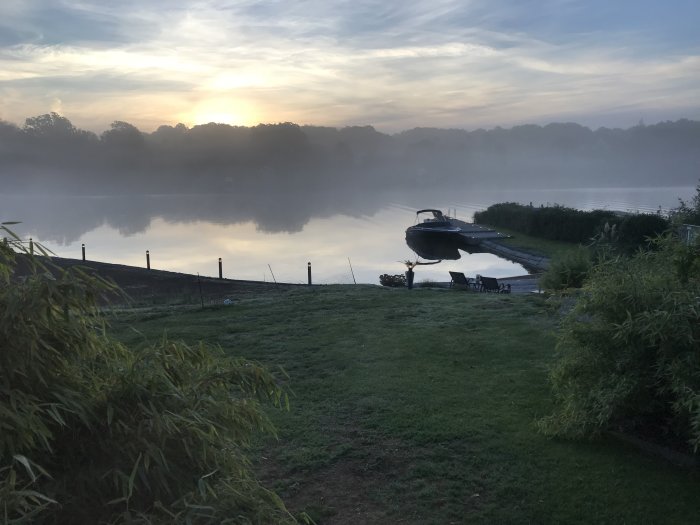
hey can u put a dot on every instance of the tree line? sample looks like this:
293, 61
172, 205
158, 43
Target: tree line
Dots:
49, 153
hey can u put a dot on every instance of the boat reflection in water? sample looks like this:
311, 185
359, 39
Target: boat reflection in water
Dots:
437, 248
432, 248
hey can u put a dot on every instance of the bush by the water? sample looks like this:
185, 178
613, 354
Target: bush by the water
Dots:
560, 223
635, 230
688, 212
94, 432
629, 352
568, 271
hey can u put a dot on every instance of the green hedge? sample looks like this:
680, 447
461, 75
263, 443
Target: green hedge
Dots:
560, 223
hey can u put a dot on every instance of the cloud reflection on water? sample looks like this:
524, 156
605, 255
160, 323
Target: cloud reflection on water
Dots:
189, 233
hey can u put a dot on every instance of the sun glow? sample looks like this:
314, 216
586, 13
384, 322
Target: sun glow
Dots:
221, 112
218, 118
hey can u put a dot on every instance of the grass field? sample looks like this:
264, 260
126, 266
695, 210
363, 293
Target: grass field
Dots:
420, 407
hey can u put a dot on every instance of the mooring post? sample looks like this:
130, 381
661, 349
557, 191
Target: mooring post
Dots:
221, 272
83, 251
31, 246
148, 260
308, 271
201, 297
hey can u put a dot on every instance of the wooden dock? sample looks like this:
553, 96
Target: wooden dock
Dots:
486, 239
473, 234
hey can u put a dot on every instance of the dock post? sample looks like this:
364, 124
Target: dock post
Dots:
31, 246
148, 260
83, 251
308, 271
221, 272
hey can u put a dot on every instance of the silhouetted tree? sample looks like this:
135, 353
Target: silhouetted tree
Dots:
50, 152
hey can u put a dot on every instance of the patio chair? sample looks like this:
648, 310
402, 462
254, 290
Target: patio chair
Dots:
458, 278
491, 285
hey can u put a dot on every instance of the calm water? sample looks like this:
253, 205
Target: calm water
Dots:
250, 232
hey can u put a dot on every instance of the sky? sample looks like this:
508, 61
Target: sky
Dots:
391, 64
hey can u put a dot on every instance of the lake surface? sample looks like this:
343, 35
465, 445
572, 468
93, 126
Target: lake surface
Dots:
255, 232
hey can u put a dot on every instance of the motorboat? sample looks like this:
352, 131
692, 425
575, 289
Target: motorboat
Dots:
436, 236
434, 223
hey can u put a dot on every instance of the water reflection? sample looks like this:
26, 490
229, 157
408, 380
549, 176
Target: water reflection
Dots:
432, 249
189, 233
64, 219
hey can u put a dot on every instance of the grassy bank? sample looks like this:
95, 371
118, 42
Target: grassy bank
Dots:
419, 407
536, 245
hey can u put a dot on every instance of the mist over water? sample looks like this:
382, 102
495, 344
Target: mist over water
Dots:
188, 233
49, 154
283, 195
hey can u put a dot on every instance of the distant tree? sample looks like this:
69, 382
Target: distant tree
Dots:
53, 145
51, 125
170, 135
123, 135
215, 155
280, 145
125, 149
11, 139
169, 147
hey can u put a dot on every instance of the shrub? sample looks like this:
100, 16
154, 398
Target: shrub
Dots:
629, 352
567, 271
635, 230
93, 432
557, 223
560, 223
687, 212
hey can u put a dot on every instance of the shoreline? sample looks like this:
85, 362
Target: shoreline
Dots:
152, 284
143, 284
531, 262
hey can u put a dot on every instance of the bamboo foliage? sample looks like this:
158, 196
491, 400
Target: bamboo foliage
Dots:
629, 352
94, 432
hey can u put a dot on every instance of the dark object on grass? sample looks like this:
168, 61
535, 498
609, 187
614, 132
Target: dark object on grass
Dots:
458, 278
394, 281
491, 284
409, 278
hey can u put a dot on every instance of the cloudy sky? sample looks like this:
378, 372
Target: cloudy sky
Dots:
389, 63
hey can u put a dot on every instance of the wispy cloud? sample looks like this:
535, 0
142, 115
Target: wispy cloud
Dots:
442, 63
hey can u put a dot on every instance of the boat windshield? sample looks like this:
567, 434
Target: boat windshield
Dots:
437, 216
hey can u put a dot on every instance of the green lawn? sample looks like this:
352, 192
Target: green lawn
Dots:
419, 407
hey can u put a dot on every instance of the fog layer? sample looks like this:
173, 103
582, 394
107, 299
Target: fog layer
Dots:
48, 155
